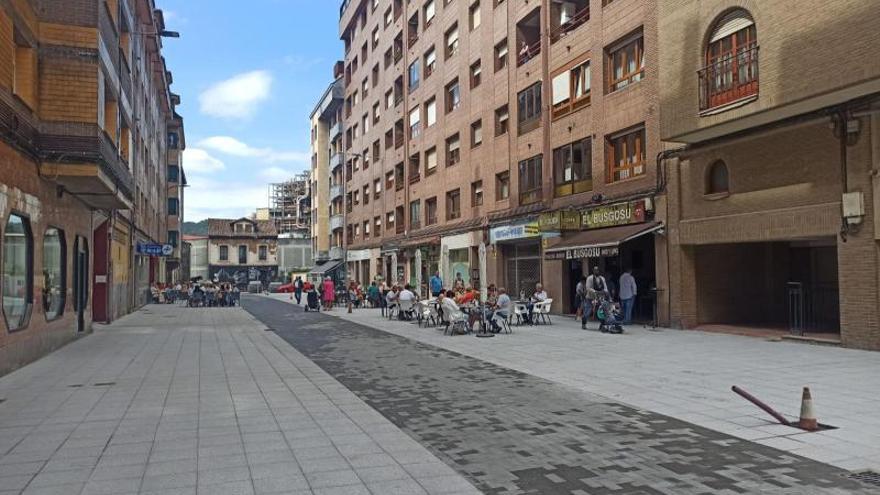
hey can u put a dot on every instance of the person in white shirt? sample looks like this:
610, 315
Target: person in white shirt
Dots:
596, 287
628, 292
540, 295
406, 294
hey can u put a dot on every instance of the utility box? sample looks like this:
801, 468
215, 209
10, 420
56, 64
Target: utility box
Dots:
853, 207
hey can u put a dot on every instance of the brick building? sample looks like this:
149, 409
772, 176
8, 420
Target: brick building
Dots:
522, 133
773, 210
84, 104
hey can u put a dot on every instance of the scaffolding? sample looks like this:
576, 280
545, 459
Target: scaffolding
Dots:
290, 206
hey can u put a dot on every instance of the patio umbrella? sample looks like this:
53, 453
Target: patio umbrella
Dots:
444, 267
418, 274
484, 293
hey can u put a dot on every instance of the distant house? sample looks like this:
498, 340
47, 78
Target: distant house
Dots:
198, 255
242, 251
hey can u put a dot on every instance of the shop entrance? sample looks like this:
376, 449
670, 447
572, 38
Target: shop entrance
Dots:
522, 268
791, 286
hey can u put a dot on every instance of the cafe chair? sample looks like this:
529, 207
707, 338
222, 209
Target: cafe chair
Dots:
502, 321
542, 311
520, 312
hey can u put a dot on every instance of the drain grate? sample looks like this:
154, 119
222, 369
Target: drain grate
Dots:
104, 384
867, 477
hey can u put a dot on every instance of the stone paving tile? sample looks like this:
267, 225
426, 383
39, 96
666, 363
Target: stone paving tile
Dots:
212, 404
510, 432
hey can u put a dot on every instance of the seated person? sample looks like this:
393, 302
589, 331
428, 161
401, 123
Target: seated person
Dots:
540, 295
406, 297
448, 306
501, 308
469, 295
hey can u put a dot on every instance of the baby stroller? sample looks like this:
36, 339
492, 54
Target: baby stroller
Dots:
609, 316
313, 302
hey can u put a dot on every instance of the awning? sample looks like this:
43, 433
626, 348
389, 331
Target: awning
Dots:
325, 267
599, 242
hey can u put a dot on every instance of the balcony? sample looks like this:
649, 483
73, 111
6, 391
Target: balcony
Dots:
336, 222
337, 253
335, 130
730, 79
335, 192
335, 160
570, 24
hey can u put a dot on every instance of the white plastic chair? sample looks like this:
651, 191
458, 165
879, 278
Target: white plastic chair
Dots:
502, 321
406, 309
456, 320
542, 310
520, 312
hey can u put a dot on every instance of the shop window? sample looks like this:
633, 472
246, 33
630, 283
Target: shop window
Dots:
572, 168
626, 62
54, 273
18, 272
731, 71
224, 253
626, 155
718, 179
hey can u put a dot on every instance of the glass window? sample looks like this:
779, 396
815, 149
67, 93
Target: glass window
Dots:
529, 108
626, 156
242, 255
627, 63
173, 173
224, 253
718, 180
414, 75
18, 271
54, 273
264, 253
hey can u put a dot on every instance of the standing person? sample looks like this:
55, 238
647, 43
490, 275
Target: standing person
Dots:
328, 293
596, 287
580, 295
628, 292
298, 289
373, 294
436, 284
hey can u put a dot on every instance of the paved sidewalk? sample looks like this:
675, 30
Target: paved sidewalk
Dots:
688, 374
173, 400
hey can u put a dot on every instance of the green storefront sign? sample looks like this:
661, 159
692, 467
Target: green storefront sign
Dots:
560, 220
613, 215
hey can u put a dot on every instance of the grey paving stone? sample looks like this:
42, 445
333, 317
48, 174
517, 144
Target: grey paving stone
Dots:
112, 487
228, 488
324, 479
382, 473
397, 487
165, 481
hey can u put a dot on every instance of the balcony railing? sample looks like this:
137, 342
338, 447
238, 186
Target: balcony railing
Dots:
335, 130
570, 25
335, 191
336, 222
528, 52
729, 79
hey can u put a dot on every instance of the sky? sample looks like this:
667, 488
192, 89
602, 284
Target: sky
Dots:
248, 74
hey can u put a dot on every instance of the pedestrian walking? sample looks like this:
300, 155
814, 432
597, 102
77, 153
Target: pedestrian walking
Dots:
298, 289
328, 293
436, 284
628, 292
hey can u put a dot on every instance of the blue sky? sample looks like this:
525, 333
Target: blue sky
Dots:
248, 73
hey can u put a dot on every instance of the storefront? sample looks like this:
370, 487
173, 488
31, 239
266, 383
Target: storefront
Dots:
612, 238
516, 257
359, 265
460, 257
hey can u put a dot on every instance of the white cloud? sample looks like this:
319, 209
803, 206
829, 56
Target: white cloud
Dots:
197, 160
231, 146
173, 17
237, 97
208, 198
277, 174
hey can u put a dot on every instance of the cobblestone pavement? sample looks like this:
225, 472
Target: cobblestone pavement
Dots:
687, 375
514, 433
179, 401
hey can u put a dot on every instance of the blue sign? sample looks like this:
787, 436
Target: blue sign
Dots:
155, 249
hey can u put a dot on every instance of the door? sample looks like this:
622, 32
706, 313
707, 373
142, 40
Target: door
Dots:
80, 281
101, 288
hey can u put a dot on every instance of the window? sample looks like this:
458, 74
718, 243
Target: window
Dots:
571, 89
375, 37
173, 237
453, 154
366, 194
430, 62
365, 122
389, 221
474, 15
477, 193
18, 272
431, 112
376, 146
572, 168
389, 180
626, 155
430, 161
477, 133
453, 204
502, 116
389, 17
377, 188
452, 41
502, 186
415, 125
374, 75
414, 75
415, 215
717, 180
501, 55
242, 255
429, 12
365, 87
566, 16
54, 273
529, 108
173, 206
530, 180
224, 253
377, 113
173, 174
453, 96
476, 72
731, 71
366, 229
377, 226
430, 211
627, 62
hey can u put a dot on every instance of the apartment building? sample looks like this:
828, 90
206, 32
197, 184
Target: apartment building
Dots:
84, 107
773, 213
509, 141
176, 185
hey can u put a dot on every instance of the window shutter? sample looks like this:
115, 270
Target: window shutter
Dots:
429, 11
432, 112
732, 22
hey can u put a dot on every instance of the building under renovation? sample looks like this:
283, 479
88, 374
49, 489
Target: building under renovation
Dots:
290, 209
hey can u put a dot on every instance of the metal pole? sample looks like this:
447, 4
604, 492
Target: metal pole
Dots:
754, 400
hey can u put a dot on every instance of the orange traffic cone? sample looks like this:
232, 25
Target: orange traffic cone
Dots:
808, 416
